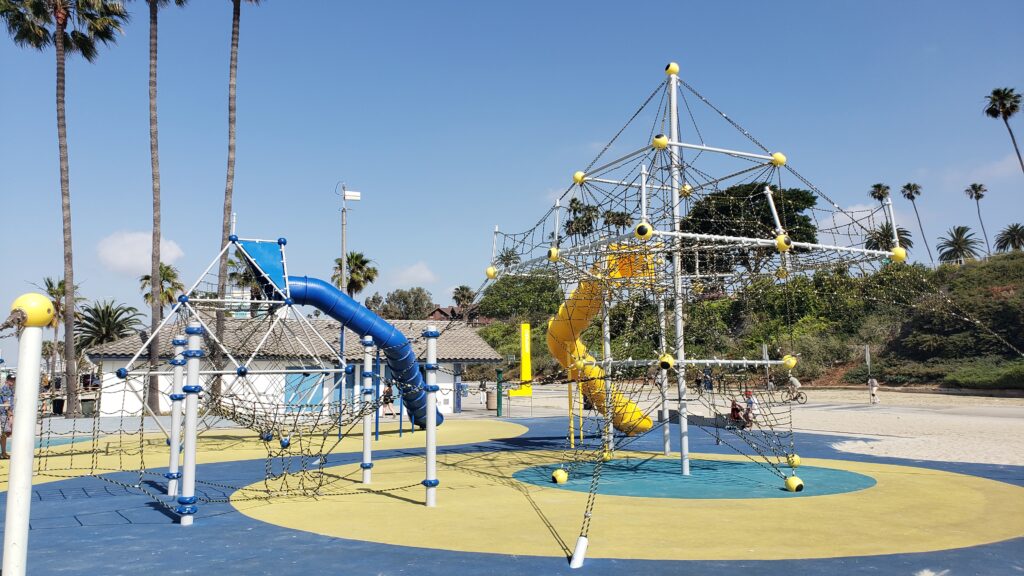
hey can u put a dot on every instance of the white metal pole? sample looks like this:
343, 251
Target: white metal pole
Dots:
643, 192
367, 464
494, 244
431, 480
609, 405
892, 221
677, 280
23, 440
579, 554
775, 213
663, 381
174, 441
187, 500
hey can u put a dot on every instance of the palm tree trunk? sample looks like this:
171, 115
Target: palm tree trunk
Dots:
155, 291
921, 228
988, 249
1014, 140
70, 358
222, 271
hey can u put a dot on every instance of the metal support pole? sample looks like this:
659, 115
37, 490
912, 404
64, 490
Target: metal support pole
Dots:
23, 439
666, 417
775, 213
174, 440
643, 192
431, 480
684, 433
609, 404
892, 221
498, 384
367, 464
187, 500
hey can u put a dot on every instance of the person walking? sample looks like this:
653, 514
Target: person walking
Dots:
6, 415
873, 390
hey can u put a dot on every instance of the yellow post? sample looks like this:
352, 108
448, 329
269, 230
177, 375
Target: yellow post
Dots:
579, 401
525, 367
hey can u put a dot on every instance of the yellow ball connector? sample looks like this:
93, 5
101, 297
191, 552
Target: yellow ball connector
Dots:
686, 191
789, 361
643, 231
553, 254
666, 361
778, 159
660, 142
560, 476
672, 68
783, 243
491, 272
793, 460
578, 177
794, 484
38, 309
899, 255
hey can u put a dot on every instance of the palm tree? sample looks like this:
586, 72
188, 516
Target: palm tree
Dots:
55, 290
170, 288
976, 192
508, 257
229, 186
155, 276
104, 322
463, 297
911, 191
1004, 103
38, 24
959, 246
881, 238
879, 192
360, 273
583, 218
1011, 238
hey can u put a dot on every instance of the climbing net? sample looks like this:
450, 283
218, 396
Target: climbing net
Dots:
264, 368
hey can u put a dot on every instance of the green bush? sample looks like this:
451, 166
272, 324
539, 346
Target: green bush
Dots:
1008, 375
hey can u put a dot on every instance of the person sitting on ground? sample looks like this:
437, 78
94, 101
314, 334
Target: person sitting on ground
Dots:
736, 414
6, 415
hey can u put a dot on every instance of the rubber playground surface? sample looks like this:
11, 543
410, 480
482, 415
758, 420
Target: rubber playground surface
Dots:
497, 512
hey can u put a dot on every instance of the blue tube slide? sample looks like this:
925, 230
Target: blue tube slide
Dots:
359, 319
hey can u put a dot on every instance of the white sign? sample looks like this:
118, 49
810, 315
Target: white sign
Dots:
350, 195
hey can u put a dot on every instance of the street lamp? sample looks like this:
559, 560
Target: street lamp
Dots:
346, 197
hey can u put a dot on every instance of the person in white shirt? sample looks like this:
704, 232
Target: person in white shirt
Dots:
873, 390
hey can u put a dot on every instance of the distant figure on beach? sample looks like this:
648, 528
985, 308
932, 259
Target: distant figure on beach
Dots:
6, 415
873, 390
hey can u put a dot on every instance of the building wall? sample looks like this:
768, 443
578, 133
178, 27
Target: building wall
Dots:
123, 397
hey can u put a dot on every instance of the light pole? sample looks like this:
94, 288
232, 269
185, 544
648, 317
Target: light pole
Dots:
346, 196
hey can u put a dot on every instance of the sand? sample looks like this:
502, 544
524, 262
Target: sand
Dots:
918, 426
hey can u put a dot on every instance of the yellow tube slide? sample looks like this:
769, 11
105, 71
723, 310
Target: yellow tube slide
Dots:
563, 340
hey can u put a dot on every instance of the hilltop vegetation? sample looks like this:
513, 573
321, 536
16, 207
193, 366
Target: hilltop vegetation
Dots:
957, 325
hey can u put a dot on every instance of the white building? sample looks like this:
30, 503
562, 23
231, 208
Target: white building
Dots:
269, 344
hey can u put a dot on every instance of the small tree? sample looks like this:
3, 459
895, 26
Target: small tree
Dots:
412, 304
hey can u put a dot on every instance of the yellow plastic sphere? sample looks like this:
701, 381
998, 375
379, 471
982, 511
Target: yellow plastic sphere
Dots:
560, 476
38, 309
697, 288
793, 460
491, 272
899, 254
578, 177
794, 484
660, 142
781, 273
553, 254
643, 231
607, 456
686, 191
778, 159
579, 364
783, 243
666, 361
672, 68
789, 361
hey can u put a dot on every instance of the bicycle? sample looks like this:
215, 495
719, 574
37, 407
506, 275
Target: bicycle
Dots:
794, 395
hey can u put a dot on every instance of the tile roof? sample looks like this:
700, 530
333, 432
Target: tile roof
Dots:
457, 343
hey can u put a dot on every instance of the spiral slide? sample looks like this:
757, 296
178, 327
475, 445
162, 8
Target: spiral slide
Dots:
563, 341
357, 318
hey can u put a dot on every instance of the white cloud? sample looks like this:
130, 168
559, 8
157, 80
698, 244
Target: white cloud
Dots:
130, 252
1005, 168
416, 275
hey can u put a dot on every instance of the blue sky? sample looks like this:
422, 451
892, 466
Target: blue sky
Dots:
452, 117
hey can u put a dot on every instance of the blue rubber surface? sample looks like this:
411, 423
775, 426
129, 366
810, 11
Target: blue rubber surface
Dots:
660, 478
85, 526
